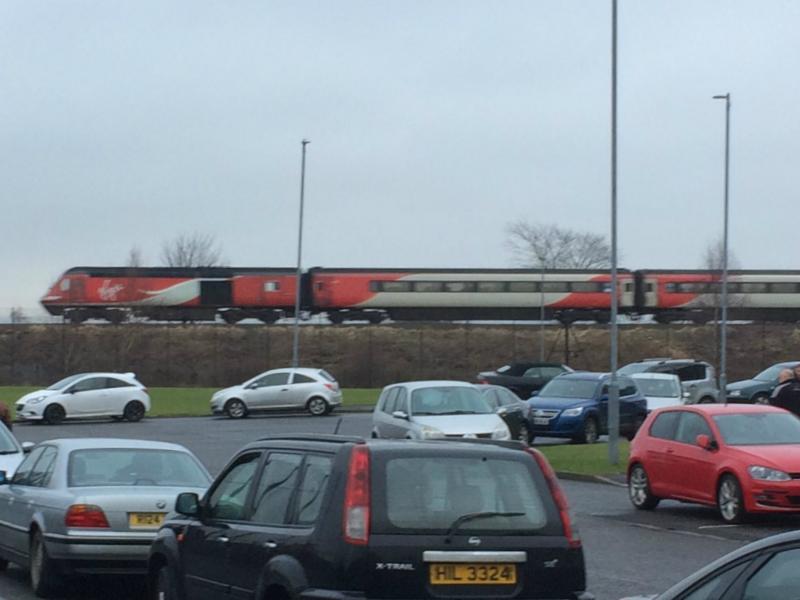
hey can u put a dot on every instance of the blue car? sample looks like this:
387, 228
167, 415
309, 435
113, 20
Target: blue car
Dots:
575, 406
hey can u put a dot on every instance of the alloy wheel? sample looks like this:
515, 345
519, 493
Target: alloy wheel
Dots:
317, 406
729, 500
235, 409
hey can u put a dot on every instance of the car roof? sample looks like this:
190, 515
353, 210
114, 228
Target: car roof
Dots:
416, 385
128, 375
301, 370
652, 376
589, 375
70, 444
725, 409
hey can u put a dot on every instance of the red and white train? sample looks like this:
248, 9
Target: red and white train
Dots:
376, 295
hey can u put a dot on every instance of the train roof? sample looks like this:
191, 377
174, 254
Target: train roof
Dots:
178, 271
459, 270
730, 271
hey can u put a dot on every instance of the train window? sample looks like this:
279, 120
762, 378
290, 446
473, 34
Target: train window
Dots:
556, 286
459, 286
648, 287
396, 286
753, 288
428, 286
491, 286
272, 286
523, 286
585, 286
628, 287
783, 288
670, 287
64, 285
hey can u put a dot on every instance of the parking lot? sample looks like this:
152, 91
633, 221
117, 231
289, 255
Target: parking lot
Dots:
627, 551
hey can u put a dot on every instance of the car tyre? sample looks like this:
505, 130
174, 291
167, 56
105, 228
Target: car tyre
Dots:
589, 432
761, 399
44, 578
524, 434
317, 406
134, 411
730, 500
164, 587
235, 408
54, 414
639, 489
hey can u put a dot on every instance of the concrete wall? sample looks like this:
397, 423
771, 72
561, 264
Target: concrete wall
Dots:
360, 356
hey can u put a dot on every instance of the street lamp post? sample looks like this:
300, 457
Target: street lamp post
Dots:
296, 340
613, 386
541, 311
723, 338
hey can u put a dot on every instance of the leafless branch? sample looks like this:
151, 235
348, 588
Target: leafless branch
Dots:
191, 250
555, 247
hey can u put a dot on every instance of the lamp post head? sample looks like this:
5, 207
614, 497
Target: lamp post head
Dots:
722, 97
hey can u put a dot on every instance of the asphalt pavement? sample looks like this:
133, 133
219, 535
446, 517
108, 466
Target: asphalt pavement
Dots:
627, 551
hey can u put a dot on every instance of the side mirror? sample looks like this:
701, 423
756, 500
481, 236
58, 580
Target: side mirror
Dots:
3, 478
502, 410
399, 414
705, 442
188, 504
27, 446
251, 386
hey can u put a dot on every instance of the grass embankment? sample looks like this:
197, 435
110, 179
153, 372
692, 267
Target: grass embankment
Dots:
188, 402
588, 459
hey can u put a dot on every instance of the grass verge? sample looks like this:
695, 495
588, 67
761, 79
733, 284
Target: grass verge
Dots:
175, 401
588, 459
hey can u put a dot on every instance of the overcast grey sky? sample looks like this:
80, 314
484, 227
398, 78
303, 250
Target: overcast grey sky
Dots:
433, 124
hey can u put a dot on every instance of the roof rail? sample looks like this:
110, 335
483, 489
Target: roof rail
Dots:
658, 358
313, 437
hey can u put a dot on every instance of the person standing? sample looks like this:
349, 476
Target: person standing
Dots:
5, 415
787, 394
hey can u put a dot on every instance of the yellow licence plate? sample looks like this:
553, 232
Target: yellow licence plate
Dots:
473, 574
145, 520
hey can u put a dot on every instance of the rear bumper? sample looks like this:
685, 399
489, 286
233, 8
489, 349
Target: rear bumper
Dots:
319, 594
117, 554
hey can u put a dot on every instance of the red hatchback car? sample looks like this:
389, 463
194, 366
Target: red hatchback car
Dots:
741, 458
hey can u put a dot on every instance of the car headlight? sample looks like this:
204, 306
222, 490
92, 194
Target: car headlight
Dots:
430, 433
572, 412
501, 433
767, 474
36, 400
735, 393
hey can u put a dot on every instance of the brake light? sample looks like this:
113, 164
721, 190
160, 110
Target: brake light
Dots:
573, 539
86, 515
357, 498
332, 386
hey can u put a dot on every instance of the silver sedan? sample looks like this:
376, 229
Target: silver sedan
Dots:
91, 506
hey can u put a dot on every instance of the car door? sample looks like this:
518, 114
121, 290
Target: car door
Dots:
383, 420
204, 551
659, 450
693, 471
301, 387
14, 507
628, 410
270, 528
120, 392
86, 397
399, 427
269, 391
511, 410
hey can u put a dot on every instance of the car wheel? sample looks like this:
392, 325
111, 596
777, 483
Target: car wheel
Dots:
54, 414
44, 579
317, 406
639, 489
134, 411
637, 423
164, 589
589, 432
761, 399
730, 501
524, 434
235, 408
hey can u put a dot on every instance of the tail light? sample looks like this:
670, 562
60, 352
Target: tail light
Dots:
86, 515
332, 386
573, 539
357, 498
144, 389
483, 382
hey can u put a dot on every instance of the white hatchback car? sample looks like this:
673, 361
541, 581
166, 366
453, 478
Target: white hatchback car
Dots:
314, 390
435, 409
87, 395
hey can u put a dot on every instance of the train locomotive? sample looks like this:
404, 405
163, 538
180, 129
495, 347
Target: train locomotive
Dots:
375, 295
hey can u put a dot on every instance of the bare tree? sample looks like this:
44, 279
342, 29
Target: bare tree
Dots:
191, 250
556, 247
712, 261
18, 315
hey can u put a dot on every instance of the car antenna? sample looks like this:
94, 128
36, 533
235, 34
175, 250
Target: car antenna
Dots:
338, 424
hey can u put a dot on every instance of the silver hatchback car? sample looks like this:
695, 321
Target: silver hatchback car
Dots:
435, 409
91, 506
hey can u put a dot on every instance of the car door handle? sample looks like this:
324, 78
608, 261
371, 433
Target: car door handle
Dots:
271, 545
223, 540
285, 390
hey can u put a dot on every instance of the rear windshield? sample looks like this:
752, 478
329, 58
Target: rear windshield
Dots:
660, 388
326, 375
127, 466
427, 495
446, 400
634, 368
754, 429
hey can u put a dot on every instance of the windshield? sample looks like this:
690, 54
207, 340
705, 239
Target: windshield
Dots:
565, 387
128, 466
60, 385
756, 429
447, 400
662, 388
429, 495
633, 368
771, 374
7, 444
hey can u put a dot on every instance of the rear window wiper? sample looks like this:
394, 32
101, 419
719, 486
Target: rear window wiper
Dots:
9, 451
477, 515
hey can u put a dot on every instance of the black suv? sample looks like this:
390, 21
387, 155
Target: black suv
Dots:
341, 518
